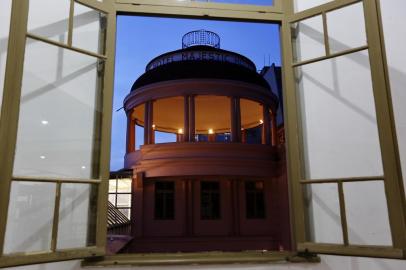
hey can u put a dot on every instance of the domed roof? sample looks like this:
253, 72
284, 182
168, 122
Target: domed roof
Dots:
200, 61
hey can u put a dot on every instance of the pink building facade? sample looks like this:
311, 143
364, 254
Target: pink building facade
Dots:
219, 183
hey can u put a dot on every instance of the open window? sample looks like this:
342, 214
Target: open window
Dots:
343, 157
55, 120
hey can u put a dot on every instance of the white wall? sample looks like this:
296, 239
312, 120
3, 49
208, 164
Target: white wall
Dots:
394, 17
301, 5
327, 263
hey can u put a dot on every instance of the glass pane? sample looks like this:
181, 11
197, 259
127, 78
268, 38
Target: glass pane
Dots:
126, 212
367, 213
112, 185
210, 200
52, 25
74, 215
324, 211
301, 5
139, 131
5, 12
251, 121
169, 119
165, 137
123, 200
86, 28
138, 115
57, 133
340, 135
308, 39
211, 122
164, 205
30, 217
124, 185
255, 200
340, 38
112, 198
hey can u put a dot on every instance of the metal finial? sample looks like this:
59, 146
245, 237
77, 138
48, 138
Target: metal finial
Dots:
201, 37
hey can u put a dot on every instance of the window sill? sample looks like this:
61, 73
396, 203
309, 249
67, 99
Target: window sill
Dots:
166, 259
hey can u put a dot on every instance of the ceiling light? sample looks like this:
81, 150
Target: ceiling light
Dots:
44, 122
211, 131
261, 121
42, 157
153, 126
180, 131
83, 167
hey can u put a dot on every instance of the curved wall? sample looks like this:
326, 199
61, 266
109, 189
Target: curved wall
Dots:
200, 87
198, 159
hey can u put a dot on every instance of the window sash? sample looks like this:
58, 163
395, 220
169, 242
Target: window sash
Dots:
391, 166
254, 200
164, 206
8, 134
210, 200
276, 7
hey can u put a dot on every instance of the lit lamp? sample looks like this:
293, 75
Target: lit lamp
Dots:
179, 136
211, 136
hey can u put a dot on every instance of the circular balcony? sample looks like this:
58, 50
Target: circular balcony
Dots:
205, 159
205, 135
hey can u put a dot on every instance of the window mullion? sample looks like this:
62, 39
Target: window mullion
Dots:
70, 23
55, 223
343, 215
11, 106
394, 189
325, 34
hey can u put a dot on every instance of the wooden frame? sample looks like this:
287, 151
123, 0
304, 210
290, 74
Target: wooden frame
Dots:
8, 134
203, 10
282, 13
392, 177
205, 258
275, 8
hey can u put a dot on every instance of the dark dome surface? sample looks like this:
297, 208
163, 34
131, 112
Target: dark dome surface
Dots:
242, 69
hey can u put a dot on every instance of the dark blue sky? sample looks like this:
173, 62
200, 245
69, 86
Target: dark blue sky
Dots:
139, 39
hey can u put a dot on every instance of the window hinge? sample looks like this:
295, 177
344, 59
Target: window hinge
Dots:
302, 257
